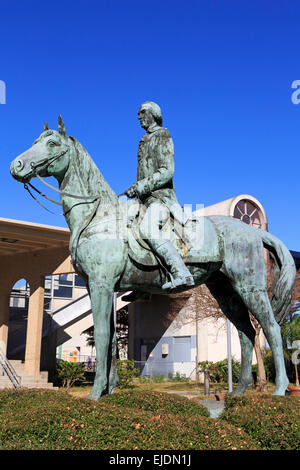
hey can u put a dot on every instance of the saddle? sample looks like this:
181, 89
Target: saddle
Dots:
203, 246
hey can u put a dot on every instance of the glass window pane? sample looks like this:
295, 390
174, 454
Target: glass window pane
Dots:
66, 279
79, 282
247, 212
63, 292
47, 303
48, 286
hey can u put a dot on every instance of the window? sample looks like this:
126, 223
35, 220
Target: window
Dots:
47, 303
65, 279
78, 281
48, 286
63, 292
247, 212
63, 286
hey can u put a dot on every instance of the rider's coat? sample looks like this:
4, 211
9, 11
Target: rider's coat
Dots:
155, 170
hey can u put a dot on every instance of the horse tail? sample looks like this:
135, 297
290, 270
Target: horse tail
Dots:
284, 276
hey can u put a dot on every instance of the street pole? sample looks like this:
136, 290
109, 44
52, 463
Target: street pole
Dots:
229, 356
197, 352
115, 309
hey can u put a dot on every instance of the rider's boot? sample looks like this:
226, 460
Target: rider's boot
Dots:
189, 237
169, 256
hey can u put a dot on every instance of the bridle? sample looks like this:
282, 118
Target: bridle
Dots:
62, 193
88, 199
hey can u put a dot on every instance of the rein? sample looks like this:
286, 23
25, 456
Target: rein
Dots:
63, 193
36, 200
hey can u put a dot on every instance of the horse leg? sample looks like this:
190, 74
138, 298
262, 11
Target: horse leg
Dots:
258, 303
112, 359
112, 355
101, 301
236, 311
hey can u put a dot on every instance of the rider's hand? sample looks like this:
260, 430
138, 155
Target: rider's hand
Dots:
131, 192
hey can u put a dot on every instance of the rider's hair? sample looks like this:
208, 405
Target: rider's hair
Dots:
156, 111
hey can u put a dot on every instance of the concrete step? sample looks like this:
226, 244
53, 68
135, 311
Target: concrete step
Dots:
27, 381
6, 383
35, 387
19, 367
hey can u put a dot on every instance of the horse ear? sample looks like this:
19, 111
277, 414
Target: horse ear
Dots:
46, 128
61, 127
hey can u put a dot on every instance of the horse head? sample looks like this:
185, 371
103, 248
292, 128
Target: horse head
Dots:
48, 156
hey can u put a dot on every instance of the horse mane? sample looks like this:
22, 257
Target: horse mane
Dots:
84, 165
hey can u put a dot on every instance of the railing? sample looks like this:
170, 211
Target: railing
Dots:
9, 370
89, 362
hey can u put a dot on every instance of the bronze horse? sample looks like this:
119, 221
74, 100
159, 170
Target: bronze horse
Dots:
100, 253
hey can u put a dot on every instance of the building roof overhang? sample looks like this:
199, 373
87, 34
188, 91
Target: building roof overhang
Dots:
17, 236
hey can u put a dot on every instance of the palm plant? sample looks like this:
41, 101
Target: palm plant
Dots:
290, 332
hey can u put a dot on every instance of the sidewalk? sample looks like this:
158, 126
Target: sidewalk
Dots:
214, 407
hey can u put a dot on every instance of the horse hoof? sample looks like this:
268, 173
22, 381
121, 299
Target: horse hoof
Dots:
93, 396
237, 393
281, 389
279, 393
239, 390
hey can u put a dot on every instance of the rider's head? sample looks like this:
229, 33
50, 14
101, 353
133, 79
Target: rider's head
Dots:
149, 113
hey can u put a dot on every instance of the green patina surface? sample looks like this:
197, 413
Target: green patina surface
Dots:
113, 250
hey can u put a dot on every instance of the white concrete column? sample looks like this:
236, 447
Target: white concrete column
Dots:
34, 327
4, 317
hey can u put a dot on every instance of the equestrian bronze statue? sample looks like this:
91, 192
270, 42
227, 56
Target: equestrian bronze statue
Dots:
149, 244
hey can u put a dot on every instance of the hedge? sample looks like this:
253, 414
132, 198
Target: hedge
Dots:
273, 422
46, 419
52, 420
156, 402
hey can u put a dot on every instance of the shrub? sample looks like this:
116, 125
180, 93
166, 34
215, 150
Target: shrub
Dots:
70, 372
156, 402
221, 371
143, 379
159, 378
126, 372
273, 422
290, 332
54, 420
218, 371
177, 377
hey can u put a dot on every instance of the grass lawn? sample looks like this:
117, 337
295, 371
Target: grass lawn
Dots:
190, 387
166, 386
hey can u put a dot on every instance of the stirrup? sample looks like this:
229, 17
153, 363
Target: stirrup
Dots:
179, 281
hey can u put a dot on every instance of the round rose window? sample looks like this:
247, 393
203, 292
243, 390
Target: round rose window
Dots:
247, 212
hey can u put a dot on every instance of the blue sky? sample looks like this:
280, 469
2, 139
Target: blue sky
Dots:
220, 70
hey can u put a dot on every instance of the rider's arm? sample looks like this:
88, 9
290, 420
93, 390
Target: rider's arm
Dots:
164, 173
